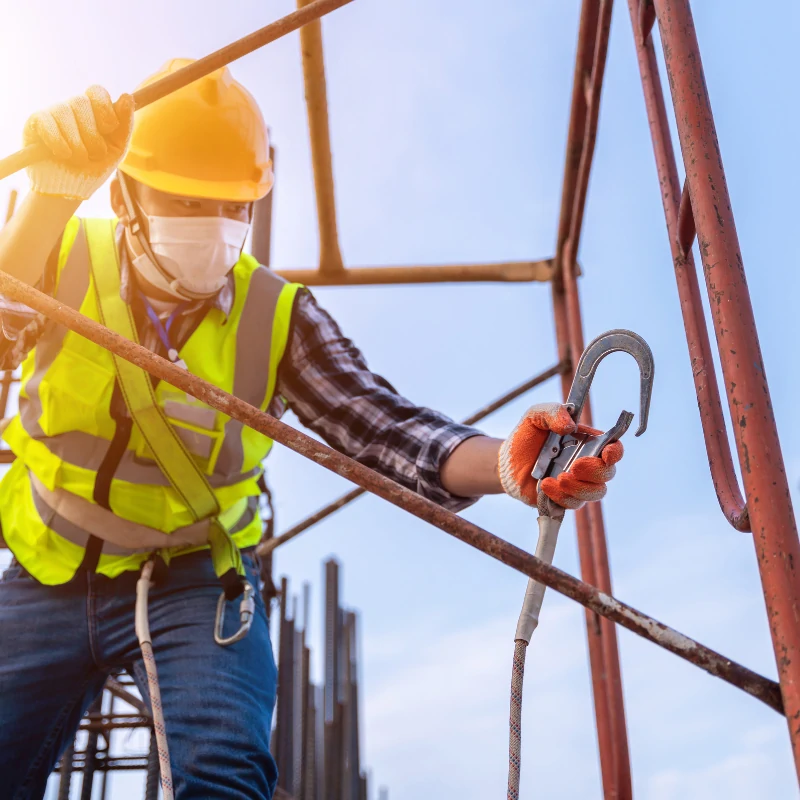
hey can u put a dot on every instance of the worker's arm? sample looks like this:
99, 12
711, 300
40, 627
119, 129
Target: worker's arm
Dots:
30, 236
87, 136
325, 380
482, 465
471, 468
327, 383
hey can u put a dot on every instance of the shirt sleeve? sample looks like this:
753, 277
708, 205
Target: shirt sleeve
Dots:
325, 380
21, 326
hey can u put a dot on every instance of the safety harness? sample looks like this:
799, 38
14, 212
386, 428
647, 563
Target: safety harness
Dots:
178, 466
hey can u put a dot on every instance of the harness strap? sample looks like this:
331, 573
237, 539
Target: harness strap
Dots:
166, 446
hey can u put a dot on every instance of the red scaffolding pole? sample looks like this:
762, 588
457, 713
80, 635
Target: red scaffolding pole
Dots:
707, 213
612, 735
702, 209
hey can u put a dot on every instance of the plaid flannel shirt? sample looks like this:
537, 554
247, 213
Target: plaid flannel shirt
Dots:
323, 379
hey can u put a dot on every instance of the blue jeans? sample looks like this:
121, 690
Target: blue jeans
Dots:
58, 644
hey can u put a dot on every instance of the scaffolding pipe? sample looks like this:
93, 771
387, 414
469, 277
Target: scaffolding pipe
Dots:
65, 771
330, 256
193, 71
592, 545
504, 271
680, 229
592, 598
766, 487
265, 548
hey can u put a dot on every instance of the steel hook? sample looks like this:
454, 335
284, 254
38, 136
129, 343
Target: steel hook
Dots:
559, 452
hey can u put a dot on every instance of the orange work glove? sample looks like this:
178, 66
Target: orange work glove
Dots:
583, 483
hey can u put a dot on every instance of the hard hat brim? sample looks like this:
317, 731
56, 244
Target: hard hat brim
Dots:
233, 191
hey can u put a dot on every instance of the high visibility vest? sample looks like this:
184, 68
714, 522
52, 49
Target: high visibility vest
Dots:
69, 415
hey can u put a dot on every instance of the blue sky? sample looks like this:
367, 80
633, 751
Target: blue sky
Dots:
448, 123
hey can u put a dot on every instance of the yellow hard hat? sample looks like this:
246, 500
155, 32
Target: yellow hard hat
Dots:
205, 140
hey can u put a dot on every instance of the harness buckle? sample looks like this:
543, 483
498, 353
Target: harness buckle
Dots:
247, 608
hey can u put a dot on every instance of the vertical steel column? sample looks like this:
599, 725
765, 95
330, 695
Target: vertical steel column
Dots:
758, 446
347, 721
90, 753
332, 710
592, 546
65, 771
306, 745
106, 748
330, 256
354, 710
152, 779
310, 764
297, 704
284, 755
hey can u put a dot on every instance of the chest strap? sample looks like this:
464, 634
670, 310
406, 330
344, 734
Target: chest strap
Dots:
166, 446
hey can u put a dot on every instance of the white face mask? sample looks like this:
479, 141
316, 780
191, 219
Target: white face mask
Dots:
198, 252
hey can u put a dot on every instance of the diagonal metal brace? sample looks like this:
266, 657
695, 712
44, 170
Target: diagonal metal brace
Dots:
588, 596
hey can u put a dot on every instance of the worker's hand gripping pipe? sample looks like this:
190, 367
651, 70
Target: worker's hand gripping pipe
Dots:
557, 455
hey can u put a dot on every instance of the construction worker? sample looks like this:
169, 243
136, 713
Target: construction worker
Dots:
112, 467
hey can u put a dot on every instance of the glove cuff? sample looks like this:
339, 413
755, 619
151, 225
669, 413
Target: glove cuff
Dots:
505, 472
58, 180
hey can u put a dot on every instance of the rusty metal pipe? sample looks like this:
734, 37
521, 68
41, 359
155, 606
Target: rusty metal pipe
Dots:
265, 548
330, 256
118, 690
592, 546
194, 71
680, 228
766, 487
574, 150
513, 271
712, 662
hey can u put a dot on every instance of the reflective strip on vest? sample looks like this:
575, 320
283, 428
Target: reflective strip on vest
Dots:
76, 519
64, 427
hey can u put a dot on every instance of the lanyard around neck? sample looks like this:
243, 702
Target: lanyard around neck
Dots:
161, 329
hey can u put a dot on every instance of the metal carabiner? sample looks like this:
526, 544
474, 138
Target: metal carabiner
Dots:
559, 452
247, 608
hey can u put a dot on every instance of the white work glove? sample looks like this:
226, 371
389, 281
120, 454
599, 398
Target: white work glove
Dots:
87, 135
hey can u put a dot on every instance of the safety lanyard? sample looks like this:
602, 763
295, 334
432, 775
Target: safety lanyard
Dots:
163, 330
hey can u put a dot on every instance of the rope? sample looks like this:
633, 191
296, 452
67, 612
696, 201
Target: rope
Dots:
515, 719
143, 634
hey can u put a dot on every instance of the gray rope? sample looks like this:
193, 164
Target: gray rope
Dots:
143, 635
515, 719
158, 719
